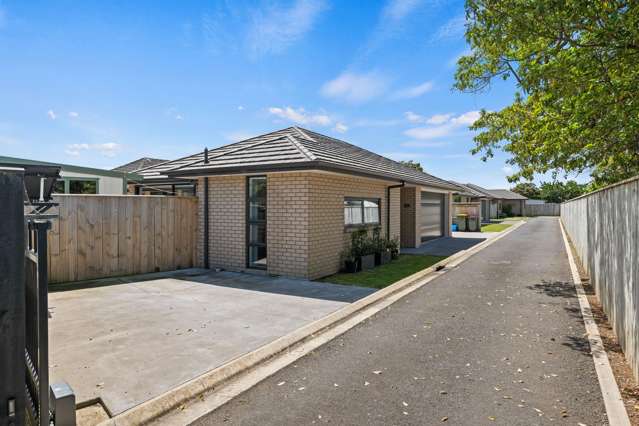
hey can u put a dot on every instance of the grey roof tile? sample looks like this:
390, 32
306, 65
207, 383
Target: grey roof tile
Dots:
293, 148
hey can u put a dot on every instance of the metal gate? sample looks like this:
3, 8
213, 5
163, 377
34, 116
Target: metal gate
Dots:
36, 352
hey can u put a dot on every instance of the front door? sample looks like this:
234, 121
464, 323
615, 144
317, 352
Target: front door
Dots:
256, 222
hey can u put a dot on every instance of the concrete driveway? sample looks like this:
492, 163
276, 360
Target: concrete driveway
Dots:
133, 340
447, 246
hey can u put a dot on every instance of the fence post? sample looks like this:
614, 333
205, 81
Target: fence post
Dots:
12, 308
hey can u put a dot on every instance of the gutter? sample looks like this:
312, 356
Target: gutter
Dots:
388, 193
206, 214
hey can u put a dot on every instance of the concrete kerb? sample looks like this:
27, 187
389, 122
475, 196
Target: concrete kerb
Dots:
155, 408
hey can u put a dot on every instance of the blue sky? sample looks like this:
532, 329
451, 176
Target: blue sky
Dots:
99, 84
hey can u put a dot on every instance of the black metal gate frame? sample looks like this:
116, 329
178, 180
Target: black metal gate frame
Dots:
37, 316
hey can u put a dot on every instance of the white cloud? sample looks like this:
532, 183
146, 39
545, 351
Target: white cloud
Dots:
435, 119
355, 88
341, 128
301, 116
73, 114
109, 149
454, 28
443, 125
240, 108
466, 119
438, 118
274, 29
174, 113
412, 117
367, 122
414, 91
51, 114
508, 170
76, 148
397, 10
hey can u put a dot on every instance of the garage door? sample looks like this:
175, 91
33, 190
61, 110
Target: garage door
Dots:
432, 215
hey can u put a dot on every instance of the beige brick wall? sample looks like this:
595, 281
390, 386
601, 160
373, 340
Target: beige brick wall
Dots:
287, 223
328, 237
227, 231
305, 220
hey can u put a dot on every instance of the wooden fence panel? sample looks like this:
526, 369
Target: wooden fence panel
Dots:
99, 236
548, 209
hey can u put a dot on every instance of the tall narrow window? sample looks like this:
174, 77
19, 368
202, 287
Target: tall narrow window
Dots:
256, 222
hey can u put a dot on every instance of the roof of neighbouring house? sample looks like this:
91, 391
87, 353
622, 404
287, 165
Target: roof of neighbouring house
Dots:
140, 163
293, 148
64, 167
466, 190
505, 194
482, 192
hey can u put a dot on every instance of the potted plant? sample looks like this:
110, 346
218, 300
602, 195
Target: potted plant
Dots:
393, 247
367, 257
351, 262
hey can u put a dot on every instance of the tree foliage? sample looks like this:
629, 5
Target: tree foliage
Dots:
558, 192
527, 189
413, 164
576, 68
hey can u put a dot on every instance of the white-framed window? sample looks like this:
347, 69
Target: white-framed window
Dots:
361, 211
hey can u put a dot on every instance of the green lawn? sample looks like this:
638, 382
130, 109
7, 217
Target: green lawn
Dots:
495, 227
385, 275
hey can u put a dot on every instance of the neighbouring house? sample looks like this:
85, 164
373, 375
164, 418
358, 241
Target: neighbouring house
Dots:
531, 202
154, 183
287, 202
467, 195
79, 179
498, 202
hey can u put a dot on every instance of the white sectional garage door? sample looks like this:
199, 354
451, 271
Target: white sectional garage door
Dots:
432, 215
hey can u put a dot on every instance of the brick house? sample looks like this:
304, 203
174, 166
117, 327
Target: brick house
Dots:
286, 202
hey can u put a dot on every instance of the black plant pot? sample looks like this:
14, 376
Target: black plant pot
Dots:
394, 254
367, 262
351, 266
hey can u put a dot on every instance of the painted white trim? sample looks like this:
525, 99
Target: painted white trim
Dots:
615, 408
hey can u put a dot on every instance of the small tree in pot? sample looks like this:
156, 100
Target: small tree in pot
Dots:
351, 261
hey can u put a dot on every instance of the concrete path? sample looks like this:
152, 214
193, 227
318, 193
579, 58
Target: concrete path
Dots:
498, 340
134, 340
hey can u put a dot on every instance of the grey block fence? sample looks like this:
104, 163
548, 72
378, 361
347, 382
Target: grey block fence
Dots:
604, 228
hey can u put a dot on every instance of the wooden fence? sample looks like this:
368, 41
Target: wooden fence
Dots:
604, 230
548, 209
98, 236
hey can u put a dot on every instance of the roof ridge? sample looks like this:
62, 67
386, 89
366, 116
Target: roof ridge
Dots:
302, 148
303, 133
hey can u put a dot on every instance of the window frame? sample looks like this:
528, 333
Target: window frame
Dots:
249, 222
364, 224
67, 184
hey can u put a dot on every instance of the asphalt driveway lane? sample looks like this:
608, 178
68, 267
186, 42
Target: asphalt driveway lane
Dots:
498, 340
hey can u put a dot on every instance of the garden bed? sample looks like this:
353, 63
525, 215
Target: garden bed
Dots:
387, 274
495, 227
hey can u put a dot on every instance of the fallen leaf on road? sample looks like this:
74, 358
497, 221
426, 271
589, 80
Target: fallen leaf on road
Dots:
366, 383
377, 372
444, 419
301, 389
491, 418
280, 383
404, 403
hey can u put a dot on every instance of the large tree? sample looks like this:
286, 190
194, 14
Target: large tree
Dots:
558, 192
527, 189
576, 68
